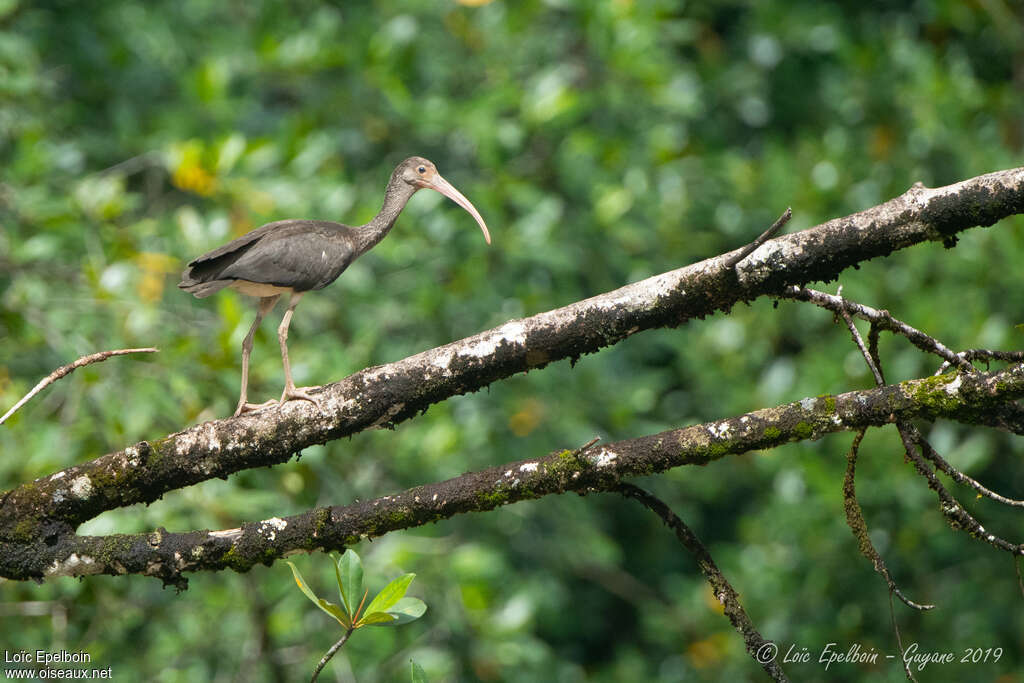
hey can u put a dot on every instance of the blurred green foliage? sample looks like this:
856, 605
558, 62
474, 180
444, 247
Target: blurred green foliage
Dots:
603, 142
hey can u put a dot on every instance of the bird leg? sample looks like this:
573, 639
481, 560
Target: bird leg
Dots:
290, 390
266, 303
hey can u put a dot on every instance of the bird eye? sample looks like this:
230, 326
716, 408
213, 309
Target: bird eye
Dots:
421, 169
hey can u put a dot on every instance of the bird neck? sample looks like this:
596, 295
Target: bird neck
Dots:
396, 196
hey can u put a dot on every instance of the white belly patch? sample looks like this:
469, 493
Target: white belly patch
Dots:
259, 289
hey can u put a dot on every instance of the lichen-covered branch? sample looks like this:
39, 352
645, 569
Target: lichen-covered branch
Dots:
958, 396
53, 506
723, 590
859, 527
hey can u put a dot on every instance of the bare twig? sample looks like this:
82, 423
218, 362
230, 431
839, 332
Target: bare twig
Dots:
854, 513
758, 648
762, 238
133, 164
899, 640
585, 447
873, 334
961, 478
869, 357
881, 319
952, 510
67, 370
984, 354
330, 653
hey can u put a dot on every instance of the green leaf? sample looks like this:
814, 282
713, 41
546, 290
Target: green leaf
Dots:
349, 572
390, 594
376, 619
403, 611
418, 674
332, 609
406, 610
301, 582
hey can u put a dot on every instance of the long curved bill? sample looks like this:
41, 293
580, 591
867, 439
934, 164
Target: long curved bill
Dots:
444, 187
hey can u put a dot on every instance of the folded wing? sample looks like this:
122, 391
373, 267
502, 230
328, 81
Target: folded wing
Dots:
297, 254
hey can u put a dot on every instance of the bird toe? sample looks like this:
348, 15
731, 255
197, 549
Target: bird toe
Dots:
300, 393
251, 407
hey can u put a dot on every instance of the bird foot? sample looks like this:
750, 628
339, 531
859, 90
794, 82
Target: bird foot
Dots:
250, 407
292, 393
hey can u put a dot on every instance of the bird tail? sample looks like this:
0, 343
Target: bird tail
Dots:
201, 289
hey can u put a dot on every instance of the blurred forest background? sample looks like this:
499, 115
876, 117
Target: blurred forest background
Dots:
603, 143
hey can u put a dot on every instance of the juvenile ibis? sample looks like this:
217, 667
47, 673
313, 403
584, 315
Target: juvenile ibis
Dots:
293, 257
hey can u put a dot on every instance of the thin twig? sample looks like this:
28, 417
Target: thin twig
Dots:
952, 510
962, 478
762, 238
68, 369
873, 334
869, 358
132, 164
855, 520
899, 640
984, 354
854, 513
912, 438
882, 319
579, 451
762, 651
330, 653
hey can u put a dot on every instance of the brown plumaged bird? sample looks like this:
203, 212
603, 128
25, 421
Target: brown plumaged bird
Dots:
295, 256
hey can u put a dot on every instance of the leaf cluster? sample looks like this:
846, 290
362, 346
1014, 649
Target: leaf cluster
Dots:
389, 607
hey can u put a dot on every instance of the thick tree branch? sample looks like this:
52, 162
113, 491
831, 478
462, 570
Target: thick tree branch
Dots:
53, 506
958, 396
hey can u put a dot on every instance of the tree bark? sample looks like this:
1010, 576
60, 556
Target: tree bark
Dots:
38, 520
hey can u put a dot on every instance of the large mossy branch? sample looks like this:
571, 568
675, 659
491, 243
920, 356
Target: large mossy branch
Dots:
959, 396
52, 507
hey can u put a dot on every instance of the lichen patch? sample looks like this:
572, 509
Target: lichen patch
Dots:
270, 527
75, 564
81, 486
605, 458
513, 333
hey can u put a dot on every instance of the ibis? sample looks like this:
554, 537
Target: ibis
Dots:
292, 257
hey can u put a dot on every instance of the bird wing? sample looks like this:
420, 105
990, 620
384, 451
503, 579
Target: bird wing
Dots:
239, 244
300, 254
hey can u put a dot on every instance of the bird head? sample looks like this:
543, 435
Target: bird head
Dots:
421, 173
